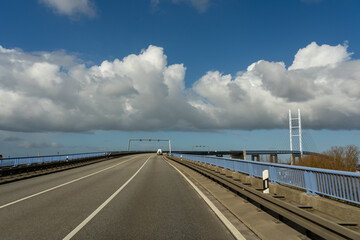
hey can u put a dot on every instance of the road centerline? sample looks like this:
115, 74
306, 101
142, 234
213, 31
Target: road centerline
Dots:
107, 201
61, 185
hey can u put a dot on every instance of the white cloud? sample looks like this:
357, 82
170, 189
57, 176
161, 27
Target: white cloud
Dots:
54, 91
72, 7
318, 56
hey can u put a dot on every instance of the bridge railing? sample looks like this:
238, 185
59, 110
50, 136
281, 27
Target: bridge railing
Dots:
316, 181
17, 161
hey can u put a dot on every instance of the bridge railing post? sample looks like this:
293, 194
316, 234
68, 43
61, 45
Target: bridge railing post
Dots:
273, 174
251, 170
310, 182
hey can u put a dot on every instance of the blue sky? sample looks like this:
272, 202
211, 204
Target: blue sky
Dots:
88, 75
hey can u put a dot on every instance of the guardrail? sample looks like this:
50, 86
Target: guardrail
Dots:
316, 181
14, 162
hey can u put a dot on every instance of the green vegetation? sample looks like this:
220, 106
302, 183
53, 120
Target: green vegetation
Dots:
337, 158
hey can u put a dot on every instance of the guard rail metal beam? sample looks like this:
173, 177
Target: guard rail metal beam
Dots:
17, 161
314, 226
340, 185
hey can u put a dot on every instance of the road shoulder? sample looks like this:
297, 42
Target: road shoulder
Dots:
251, 221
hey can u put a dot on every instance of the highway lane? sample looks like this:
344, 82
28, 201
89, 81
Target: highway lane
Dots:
56, 212
156, 204
17, 190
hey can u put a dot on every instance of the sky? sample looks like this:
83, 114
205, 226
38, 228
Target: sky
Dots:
87, 75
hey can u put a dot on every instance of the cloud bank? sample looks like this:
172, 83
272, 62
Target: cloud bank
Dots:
71, 7
55, 91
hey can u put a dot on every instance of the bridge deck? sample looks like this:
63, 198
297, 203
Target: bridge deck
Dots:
156, 203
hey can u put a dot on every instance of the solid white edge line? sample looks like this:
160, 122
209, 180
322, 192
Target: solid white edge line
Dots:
221, 216
93, 214
61, 185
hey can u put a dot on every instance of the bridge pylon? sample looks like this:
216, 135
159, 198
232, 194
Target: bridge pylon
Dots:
298, 133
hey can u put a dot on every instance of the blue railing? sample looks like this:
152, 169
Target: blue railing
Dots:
316, 181
14, 162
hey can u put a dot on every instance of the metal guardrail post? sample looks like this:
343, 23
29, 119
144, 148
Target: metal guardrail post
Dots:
251, 170
308, 177
347, 188
351, 189
337, 184
273, 175
357, 186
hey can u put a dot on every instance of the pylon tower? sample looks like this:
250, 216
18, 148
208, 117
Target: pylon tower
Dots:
298, 131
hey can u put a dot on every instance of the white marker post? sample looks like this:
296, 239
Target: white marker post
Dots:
265, 177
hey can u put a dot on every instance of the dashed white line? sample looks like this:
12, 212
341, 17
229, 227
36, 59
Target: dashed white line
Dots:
221, 216
93, 214
61, 185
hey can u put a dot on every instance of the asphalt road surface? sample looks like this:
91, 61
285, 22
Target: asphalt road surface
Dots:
132, 197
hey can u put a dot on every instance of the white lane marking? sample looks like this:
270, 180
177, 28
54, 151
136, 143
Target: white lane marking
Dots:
221, 216
93, 214
61, 185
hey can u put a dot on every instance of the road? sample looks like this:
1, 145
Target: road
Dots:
132, 197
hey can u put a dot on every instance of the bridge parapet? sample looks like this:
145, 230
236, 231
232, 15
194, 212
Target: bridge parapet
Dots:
255, 154
315, 181
16, 161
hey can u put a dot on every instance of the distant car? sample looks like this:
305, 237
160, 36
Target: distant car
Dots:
159, 152
0, 156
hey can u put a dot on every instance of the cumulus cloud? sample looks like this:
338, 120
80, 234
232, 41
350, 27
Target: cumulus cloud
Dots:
55, 91
72, 7
319, 56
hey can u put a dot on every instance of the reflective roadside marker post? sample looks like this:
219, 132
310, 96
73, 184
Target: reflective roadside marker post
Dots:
265, 177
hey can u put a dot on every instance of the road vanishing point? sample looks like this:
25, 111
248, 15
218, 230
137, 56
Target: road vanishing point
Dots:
133, 197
